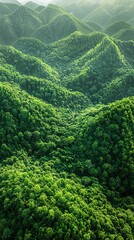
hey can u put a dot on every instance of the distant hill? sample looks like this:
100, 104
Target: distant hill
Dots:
131, 21
11, 1
125, 34
40, 8
102, 12
50, 24
99, 15
79, 8
49, 13
60, 27
22, 22
4, 9
116, 27
94, 26
125, 15
7, 8
31, 5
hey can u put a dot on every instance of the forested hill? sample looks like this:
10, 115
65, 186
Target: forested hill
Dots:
67, 120
96, 65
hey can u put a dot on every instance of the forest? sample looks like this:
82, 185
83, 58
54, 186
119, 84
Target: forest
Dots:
67, 120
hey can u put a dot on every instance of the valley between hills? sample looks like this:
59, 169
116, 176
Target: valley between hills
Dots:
67, 120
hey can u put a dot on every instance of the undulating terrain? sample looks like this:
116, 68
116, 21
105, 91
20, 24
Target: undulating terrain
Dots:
67, 120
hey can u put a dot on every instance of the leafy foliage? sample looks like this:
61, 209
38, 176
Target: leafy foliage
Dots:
107, 139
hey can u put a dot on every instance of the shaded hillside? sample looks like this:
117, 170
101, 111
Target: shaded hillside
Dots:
116, 3
60, 27
127, 48
80, 8
95, 26
28, 122
26, 65
22, 22
131, 21
126, 15
125, 35
46, 90
50, 24
117, 27
107, 140
42, 82
86, 63
4, 9
96, 68
62, 52
99, 15
40, 8
119, 87
49, 13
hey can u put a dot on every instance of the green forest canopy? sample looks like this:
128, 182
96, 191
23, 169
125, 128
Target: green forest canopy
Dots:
67, 123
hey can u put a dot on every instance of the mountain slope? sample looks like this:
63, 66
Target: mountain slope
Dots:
4, 9
25, 64
66, 154
125, 35
61, 52
117, 27
31, 5
22, 22
107, 140
54, 201
40, 8
80, 8
49, 13
43, 82
87, 63
33, 122
60, 27
99, 15
119, 87
96, 68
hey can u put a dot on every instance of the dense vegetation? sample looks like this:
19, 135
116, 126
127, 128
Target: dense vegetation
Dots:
66, 121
